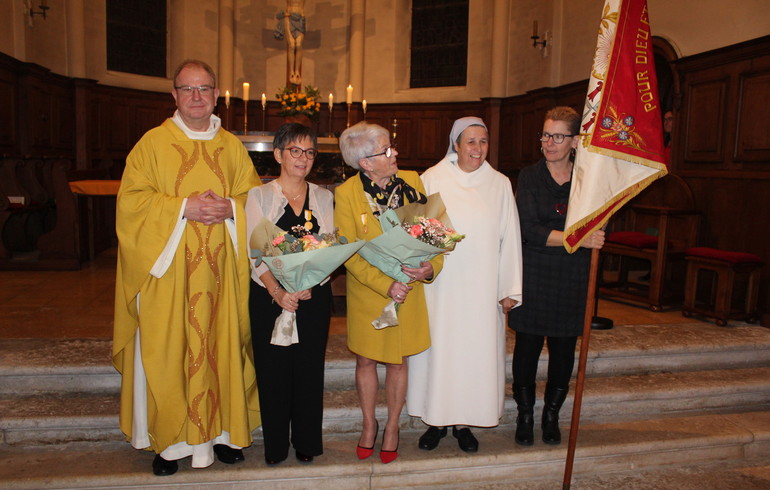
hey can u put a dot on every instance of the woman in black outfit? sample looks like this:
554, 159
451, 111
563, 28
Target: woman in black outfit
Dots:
290, 379
555, 282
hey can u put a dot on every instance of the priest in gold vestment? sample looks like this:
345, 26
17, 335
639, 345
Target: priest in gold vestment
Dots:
181, 337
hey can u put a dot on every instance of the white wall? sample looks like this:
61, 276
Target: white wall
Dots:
692, 26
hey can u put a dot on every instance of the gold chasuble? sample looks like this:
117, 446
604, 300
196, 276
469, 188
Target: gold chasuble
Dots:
193, 320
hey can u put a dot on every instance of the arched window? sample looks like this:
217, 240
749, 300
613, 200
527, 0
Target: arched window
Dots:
439, 51
136, 37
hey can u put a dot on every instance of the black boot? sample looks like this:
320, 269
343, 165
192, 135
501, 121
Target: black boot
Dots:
554, 399
525, 421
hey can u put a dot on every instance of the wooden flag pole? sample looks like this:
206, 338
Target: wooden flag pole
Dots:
581, 374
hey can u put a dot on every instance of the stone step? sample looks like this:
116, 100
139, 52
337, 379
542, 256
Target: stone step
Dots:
32, 367
93, 417
607, 449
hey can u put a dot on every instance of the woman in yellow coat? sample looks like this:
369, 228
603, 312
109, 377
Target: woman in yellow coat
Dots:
359, 201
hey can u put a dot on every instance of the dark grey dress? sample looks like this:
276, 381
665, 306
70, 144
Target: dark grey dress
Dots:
554, 281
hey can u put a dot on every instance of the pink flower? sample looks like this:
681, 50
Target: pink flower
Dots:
415, 230
279, 240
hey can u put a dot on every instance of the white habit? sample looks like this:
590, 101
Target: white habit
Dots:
460, 379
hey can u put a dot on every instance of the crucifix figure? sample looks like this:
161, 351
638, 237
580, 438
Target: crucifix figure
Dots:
291, 26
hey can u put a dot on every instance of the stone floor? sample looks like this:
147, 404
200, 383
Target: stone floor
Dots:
79, 305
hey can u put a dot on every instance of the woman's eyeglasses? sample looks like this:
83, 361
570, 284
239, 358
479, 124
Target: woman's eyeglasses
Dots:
557, 137
297, 152
388, 152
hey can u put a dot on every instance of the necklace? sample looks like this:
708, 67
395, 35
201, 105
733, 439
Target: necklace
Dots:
288, 196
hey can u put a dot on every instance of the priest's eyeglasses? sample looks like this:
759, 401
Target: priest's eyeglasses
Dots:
388, 152
297, 152
189, 89
557, 137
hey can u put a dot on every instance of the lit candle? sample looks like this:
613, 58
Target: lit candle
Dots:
264, 101
534, 28
331, 101
363, 104
227, 98
245, 92
349, 95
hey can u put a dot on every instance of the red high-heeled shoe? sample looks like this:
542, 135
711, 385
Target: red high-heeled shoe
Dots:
366, 452
389, 456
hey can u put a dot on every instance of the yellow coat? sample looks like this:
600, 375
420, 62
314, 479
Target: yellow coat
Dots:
367, 287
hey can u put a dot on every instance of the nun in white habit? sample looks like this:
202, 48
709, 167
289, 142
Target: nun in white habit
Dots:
460, 380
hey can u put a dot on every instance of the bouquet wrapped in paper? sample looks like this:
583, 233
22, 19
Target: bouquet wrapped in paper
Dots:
411, 234
299, 261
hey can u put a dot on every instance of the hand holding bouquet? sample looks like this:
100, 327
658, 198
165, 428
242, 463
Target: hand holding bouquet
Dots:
299, 260
412, 234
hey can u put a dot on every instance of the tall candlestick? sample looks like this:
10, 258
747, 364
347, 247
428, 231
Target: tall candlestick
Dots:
363, 105
245, 108
227, 99
264, 101
349, 94
331, 101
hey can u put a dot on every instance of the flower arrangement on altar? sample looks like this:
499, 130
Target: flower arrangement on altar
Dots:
298, 101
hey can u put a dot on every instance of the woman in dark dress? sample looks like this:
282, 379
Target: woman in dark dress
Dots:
555, 282
290, 379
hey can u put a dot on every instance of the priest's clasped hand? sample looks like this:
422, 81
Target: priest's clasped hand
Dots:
208, 208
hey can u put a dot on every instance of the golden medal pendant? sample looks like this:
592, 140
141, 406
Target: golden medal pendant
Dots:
308, 217
365, 229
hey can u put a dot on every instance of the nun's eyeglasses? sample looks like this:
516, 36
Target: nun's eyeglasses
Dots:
388, 152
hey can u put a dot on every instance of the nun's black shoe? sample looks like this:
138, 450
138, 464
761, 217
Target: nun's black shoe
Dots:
163, 467
228, 455
466, 440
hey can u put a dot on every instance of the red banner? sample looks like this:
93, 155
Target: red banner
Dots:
621, 149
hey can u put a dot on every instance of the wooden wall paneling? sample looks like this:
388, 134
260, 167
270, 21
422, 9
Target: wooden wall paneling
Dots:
116, 118
146, 117
705, 110
97, 131
9, 136
752, 140
407, 138
37, 107
509, 127
531, 124
429, 135
63, 122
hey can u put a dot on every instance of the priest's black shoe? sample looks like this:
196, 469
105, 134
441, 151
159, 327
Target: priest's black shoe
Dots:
163, 467
228, 455
303, 458
429, 441
466, 440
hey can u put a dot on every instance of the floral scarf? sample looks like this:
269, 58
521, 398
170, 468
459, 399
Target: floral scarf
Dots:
396, 194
